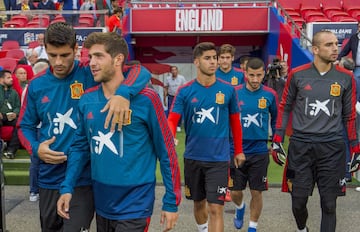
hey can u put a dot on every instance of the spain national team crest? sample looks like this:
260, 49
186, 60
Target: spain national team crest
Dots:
234, 80
220, 98
262, 103
77, 90
335, 90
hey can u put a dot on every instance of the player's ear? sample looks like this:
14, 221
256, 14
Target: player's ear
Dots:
119, 59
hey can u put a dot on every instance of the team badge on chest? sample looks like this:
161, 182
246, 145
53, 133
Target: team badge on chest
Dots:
77, 90
220, 98
234, 80
335, 90
262, 103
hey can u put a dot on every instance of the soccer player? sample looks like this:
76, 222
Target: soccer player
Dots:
321, 97
123, 163
258, 106
52, 99
225, 70
209, 107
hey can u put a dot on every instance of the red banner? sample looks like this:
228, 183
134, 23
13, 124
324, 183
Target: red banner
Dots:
204, 20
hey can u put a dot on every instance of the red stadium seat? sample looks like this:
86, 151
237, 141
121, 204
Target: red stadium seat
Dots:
356, 15
331, 5
56, 20
13, 24
43, 19
90, 17
351, 6
290, 5
10, 44
341, 18
311, 13
21, 18
34, 24
314, 5
8, 63
6, 133
331, 14
317, 18
3, 53
86, 22
15, 53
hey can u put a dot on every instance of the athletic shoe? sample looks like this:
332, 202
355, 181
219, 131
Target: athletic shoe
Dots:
34, 197
228, 196
252, 229
9, 155
239, 218
357, 189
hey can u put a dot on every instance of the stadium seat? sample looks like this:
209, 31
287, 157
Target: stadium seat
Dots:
10, 44
44, 19
59, 19
13, 24
317, 18
90, 17
341, 18
6, 133
311, 13
290, 5
33, 24
350, 6
15, 53
310, 5
3, 53
356, 15
85, 22
330, 14
22, 18
331, 5
8, 63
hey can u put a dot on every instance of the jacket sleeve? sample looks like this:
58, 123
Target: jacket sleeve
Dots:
136, 78
78, 157
285, 106
27, 123
166, 153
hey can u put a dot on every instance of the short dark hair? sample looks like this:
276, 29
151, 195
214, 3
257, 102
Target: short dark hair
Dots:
316, 37
255, 63
60, 34
114, 44
2, 72
202, 47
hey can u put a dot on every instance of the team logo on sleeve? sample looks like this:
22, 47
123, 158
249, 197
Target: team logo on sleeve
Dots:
77, 89
335, 90
262, 103
220, 98
234, 80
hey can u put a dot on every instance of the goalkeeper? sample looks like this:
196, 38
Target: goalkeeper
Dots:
321, 98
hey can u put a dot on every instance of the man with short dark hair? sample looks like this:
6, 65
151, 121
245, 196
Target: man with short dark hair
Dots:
9, 111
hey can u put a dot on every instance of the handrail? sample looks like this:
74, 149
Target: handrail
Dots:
294, 27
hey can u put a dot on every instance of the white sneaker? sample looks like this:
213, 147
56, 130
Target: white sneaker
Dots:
357, 189
34, 197
178, 129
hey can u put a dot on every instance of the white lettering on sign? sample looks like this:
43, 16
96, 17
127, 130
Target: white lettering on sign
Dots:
199, 20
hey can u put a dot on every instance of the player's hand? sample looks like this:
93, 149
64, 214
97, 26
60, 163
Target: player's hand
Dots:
239, 160
168, 219
63, 205
50, 156
176, 141
118, 108
278, 153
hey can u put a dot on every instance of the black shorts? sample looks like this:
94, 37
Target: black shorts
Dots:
81, 210
253, 171
206, 180
133, 225
320, 163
